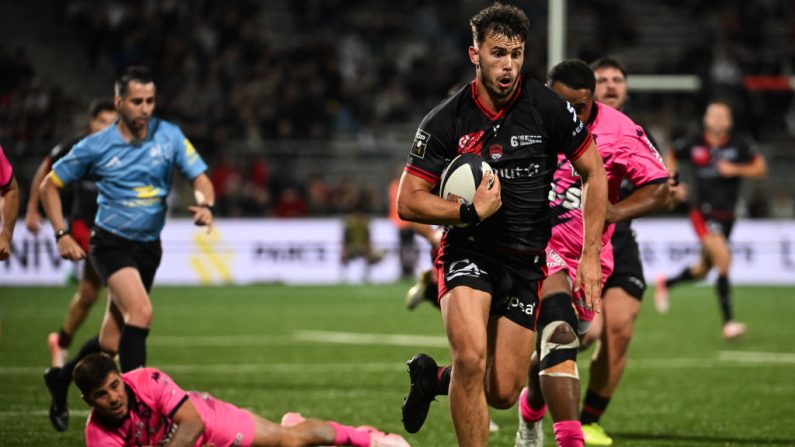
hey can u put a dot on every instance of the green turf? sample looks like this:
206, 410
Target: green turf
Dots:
681, 388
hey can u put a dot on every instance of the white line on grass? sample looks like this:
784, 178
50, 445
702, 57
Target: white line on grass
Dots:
757, 357
356, 338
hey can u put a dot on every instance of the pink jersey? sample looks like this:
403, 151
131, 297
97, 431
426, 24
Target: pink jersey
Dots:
628, 154
6, 173
153, 398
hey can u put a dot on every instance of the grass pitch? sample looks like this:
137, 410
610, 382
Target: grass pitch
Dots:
339, 352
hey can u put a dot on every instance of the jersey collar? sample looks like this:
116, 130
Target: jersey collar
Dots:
489, 114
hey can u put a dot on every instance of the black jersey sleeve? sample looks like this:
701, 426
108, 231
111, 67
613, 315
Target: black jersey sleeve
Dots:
567, 133
433, 145
61, 149
746, 149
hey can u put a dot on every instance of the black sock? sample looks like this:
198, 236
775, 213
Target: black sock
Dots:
89, 347
443, 380
432, 293
686, 275
132, 347
592, 407
724, 297
64, 339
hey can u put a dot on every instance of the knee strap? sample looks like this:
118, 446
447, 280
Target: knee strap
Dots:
558, 357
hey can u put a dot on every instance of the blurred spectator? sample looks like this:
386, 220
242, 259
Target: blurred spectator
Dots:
291, 204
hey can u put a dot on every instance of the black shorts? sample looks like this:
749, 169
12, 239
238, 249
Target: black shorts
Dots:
627, 267
714, 223
512, 280
110, 253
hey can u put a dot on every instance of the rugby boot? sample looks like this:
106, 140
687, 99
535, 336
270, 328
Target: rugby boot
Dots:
422, 373
595, 435
59, 413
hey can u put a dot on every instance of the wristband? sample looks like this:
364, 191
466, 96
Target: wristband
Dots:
468, 214
60, 233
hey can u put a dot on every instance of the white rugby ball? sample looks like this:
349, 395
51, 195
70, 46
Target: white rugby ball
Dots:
461, 178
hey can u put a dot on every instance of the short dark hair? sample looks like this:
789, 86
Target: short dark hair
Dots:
130, 74
574, 73
499, 19
100, 105
609, 62
90, 372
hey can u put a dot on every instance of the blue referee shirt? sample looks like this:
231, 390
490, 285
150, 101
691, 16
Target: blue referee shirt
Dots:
133, 179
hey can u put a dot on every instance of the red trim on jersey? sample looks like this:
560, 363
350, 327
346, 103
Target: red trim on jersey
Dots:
697, 219
722, 142
80, 233
489, 114
423, 174
438, 267
581, 150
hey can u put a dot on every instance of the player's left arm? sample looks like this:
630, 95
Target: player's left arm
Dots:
205, 198
750, 164
8, 213
755, 169
644, 167
594, 204
189, 425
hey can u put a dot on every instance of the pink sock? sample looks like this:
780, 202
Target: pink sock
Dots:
347, 435
568, 433
529, 413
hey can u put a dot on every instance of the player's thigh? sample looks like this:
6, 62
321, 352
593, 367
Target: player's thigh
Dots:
594, 331
559, 282
510, 348
90, 284
465, 312
718, 249
128, 292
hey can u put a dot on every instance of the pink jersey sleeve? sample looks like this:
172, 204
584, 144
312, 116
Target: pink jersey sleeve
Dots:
642, 162
97, 436
156, 389
6, 173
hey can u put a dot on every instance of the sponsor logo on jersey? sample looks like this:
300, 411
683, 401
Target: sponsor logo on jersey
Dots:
700, 155
471, 143
525, 140
519, 171
495, 150
421, 139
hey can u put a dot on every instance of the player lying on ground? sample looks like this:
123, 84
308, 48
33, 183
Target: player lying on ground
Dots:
146, 407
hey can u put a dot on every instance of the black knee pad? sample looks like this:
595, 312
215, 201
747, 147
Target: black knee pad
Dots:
557, 357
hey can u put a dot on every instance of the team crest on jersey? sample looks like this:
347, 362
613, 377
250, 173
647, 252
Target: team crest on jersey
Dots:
495, 150
471, 143
700, 155
421, 139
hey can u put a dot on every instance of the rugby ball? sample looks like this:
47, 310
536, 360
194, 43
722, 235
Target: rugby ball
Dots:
461, 178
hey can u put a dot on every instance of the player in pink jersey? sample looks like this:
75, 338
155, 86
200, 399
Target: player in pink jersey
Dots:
627, 154
145, 407
9, 205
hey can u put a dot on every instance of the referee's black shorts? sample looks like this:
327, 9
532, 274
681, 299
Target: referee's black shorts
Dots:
109, 253
627, 266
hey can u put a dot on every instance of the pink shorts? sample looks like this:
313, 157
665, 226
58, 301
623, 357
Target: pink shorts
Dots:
560, 260
225, 424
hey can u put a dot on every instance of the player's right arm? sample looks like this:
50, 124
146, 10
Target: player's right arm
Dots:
32, 216
416, 203
9, 208
189, 426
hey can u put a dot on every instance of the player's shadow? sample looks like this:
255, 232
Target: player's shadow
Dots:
699, 440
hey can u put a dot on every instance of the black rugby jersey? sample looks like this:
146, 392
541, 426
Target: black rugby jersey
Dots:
713, 193
81, 197
520, 143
